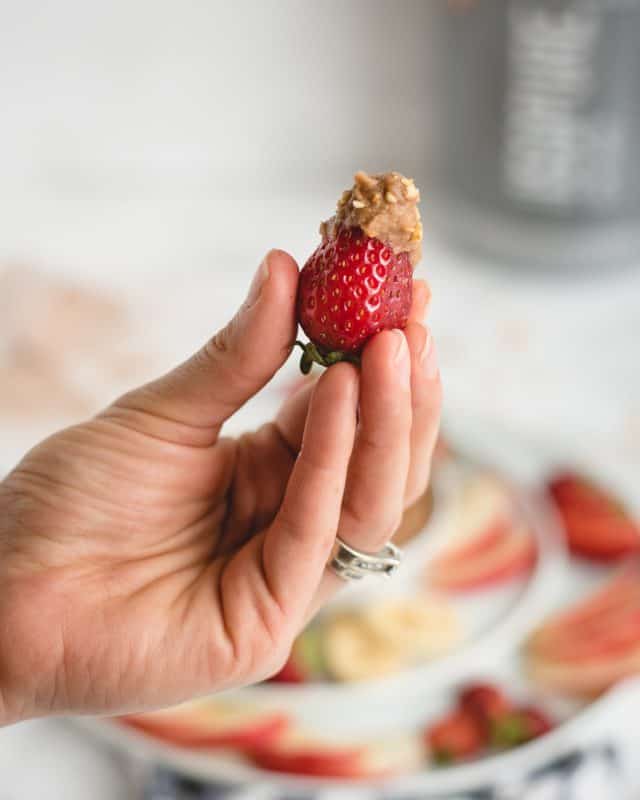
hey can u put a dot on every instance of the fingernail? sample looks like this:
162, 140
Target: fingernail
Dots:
401, 357
259, 280
429, 357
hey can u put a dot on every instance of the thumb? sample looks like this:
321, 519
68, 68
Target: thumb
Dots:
239, 360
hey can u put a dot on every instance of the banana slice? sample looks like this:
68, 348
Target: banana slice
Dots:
353, 652
416, 627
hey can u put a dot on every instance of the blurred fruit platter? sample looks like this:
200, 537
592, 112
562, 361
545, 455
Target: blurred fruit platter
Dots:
515, 610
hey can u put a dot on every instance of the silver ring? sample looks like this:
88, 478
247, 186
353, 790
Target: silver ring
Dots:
353, 565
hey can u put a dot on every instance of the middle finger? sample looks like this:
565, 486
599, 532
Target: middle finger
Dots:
374, 495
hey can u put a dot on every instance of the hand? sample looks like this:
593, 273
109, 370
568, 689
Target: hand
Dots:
145, 559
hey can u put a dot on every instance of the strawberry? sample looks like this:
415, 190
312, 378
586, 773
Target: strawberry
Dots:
305, 662
521, 726
291, 672
597, 526
352, 287
485, 702
455, 737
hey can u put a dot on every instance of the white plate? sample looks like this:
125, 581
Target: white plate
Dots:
599, 721
420, 695
409, 699
497, 621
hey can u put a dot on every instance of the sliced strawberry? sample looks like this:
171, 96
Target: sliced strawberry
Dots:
509, 556
485, 702
599, 537
455, 737
520, 726
205, 724
597, 525
571, 489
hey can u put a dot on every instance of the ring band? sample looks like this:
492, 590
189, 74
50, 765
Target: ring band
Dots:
353, 565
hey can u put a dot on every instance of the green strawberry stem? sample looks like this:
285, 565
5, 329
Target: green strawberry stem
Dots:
510, 731
442, 758
311, 355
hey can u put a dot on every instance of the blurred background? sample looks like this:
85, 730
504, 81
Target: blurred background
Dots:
151, 152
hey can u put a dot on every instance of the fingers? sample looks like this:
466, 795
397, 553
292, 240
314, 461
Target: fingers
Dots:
426, 399
208, 388
292, 417
374, 497
421, 299
298, 543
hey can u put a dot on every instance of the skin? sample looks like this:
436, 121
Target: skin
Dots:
146, 559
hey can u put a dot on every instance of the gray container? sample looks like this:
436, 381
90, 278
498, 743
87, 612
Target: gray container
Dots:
535, 129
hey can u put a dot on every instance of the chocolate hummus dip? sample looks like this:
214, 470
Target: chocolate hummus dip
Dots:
384, 207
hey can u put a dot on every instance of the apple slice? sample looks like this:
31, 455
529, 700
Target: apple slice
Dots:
211, 724
597, 525
484, 502
596, 643
507, 556
297, 754
615, 598
588, 677
471, 546
608, 636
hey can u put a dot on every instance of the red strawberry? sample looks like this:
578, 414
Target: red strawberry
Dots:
596, 524
485, 702
291, 672
455, 737
305, 662
351, 288
522, 725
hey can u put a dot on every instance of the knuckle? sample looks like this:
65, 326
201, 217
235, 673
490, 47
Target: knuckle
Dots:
373, 521
225, 352
221, 342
